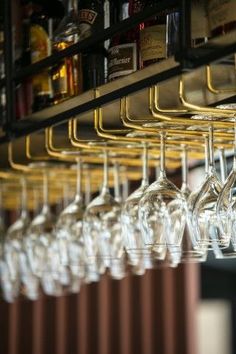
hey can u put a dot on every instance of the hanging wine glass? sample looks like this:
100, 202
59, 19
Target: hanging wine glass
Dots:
161, 210
15, 234
101, 228
42, 247
188, 251
117, 266
226, 207
205, 219
229, 251
139, 256
2, 224
10, 288
69, 232
28, 279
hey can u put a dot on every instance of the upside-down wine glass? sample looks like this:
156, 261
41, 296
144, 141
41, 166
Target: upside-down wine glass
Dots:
69, 234
42, 246
15, 234
117, 265
226, 204
188, 252
15, 253
10, 288
161, 210
101, 227
229, 251
139, 255
205, 218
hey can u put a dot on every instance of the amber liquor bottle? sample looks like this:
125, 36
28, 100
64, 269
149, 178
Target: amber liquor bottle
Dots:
40, 46
67, 74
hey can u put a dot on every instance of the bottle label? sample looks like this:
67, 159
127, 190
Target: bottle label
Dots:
200, 28
221, 12
153, 42
87, 19
59, 81
40, 49
88, 16
122, 60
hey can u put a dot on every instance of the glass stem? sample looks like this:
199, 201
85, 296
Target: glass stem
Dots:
88, 188
105, 188
65, 201
71, 5
184, 168
157, 171
125, 189
145, 165
211, 149
36, 202
206, 154
45, 193
117, 182
223, 167
23, 196
162, 157
1, 202
234, 161
78, 180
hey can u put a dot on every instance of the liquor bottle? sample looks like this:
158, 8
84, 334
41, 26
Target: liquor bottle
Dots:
91, 18
21, 13
107, 22
153, 37
2, 74
199, 23
67, 74
221, 15
123, 54
40, 45
25, 60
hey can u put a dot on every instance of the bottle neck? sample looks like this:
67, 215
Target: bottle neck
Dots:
124, 11
71, 5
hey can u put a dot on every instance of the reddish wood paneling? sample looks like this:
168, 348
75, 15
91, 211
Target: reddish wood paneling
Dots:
152, 314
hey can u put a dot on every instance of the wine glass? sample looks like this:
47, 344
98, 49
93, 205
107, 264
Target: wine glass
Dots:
205, 218
69, 234
101, 227
226, 207
42, 247
117, 266
14, 250
188, 251
10, 288
139, 256
15, 234
2, 224
161, 210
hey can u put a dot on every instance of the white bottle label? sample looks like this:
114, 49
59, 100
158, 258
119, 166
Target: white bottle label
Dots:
122, 60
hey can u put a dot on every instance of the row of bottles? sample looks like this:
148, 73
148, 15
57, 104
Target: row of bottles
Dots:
51, 26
